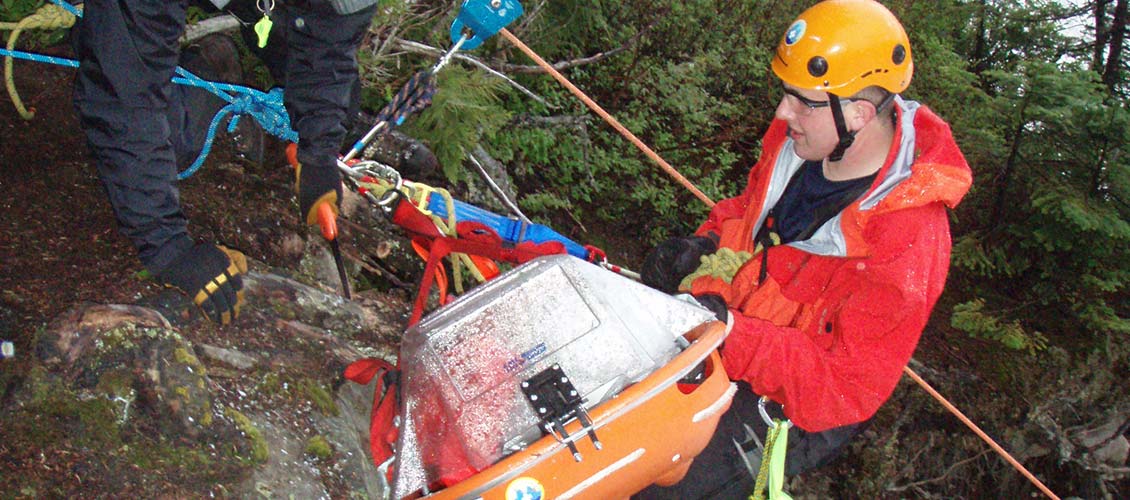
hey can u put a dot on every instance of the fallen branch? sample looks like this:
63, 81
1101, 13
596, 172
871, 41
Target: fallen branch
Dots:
217, 24
419, 48
339, 348
373, 268
941, 478
528, 69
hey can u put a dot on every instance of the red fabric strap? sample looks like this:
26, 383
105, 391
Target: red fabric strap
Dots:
382, 432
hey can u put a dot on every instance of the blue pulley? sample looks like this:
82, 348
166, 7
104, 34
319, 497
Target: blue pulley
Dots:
484, 18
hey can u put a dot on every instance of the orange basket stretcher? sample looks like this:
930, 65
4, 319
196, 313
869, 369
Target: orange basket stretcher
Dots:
557, 379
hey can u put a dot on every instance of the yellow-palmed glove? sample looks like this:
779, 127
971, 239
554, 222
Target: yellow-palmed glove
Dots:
212, 276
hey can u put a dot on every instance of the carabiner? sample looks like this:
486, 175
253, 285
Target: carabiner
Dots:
388, 198
769, 420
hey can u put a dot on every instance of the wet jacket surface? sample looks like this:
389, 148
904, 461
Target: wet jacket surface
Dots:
837, 317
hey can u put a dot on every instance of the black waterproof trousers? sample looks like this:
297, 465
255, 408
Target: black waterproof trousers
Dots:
720, 471
135, 117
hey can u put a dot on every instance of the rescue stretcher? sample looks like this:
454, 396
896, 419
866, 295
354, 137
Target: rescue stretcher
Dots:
558, 379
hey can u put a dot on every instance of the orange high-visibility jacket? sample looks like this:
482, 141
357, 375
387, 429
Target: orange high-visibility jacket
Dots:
838, 316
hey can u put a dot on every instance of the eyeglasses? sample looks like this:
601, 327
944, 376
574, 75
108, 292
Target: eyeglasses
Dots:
809, 105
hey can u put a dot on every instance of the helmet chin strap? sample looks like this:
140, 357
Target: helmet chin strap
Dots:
846, 137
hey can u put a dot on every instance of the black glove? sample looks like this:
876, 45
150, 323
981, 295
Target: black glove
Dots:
673, 260
211, 276
716, 305
317, 187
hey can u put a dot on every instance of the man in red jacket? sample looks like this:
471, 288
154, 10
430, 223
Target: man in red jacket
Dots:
827, 266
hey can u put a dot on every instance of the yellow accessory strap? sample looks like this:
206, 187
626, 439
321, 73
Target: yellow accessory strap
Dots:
773, 463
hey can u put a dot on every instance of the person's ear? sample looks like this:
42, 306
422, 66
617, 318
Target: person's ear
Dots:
862, 112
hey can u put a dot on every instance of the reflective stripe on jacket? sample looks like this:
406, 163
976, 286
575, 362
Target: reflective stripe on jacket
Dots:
838, 316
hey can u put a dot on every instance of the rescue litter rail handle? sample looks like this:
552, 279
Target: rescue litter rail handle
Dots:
710, 203
608, 118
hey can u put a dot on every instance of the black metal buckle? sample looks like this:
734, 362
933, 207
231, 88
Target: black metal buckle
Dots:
556, 402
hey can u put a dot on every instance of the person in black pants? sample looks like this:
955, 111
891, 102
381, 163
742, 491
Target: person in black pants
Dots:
134, 119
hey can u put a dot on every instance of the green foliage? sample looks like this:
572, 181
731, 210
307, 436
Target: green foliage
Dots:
464, 111
700, 99
972, 318
972, 255
14, 10
1046, 237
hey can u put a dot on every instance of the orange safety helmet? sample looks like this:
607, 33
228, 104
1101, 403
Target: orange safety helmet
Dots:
844, 46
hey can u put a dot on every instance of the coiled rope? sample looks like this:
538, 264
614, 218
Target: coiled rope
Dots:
48, 17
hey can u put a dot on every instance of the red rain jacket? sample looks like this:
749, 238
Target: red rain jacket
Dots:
828, 332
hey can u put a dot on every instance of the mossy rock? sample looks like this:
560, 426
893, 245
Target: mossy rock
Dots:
318, 447
129, 354
321, 398
260, 452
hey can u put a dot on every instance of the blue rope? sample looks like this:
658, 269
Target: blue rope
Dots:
39, 58
68, 7
265, 107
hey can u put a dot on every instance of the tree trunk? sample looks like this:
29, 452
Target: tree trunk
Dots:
980, 50
1102, 34
1112, 73
1003, 178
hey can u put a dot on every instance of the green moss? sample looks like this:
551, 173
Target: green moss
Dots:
320, 397
161, 456
127, 335
283, 309
319, 448
117, 387
117, 382
270, 385
184, 357
99, 423
54, 414
259, 449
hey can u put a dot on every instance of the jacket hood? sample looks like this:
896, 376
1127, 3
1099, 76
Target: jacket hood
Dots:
924, 165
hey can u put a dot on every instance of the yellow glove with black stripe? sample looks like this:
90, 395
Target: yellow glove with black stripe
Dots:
212, 276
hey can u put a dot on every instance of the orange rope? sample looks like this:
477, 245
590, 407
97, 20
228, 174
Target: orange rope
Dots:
686, 183
608, 118
981, 434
